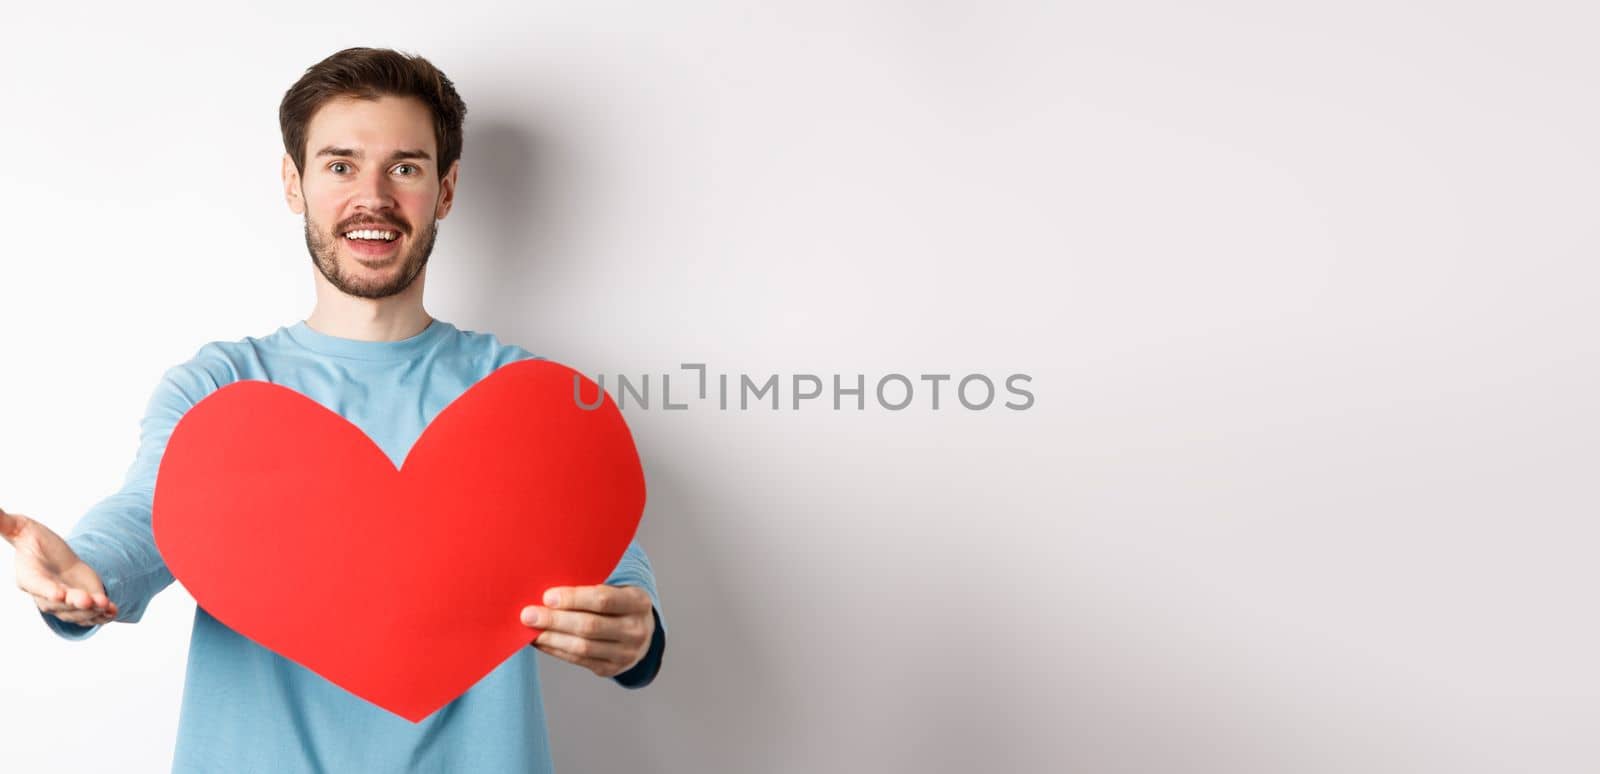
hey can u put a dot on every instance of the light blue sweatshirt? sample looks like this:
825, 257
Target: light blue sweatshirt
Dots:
247, 709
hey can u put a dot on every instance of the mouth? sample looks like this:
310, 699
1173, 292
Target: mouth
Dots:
372, 242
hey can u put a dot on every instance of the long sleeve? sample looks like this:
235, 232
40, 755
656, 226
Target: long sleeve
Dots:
247, 708
635, 570
114, 537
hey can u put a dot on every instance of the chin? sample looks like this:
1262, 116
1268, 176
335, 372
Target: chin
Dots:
360, 263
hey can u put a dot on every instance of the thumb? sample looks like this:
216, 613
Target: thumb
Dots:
10, 525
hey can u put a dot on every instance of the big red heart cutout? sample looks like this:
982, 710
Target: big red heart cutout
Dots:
289, 525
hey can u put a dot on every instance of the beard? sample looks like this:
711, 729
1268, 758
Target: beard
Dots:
324, 249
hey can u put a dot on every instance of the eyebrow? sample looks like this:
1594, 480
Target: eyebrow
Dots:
356, 154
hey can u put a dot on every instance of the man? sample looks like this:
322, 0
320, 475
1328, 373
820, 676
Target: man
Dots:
372, 140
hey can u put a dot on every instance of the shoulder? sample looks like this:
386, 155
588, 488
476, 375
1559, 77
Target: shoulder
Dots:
488, 351
213, 365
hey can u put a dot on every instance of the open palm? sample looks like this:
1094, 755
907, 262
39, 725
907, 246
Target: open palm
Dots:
60, 583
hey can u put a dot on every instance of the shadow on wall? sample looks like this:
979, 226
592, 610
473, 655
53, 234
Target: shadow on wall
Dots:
718, 704
715, 705
503, 228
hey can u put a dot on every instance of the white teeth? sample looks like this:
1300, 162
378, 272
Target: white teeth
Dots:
368, 233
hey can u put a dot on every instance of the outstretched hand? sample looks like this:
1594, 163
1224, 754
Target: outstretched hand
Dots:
60, 583
605, 629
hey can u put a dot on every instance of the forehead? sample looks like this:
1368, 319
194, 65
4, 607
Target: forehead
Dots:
374, 125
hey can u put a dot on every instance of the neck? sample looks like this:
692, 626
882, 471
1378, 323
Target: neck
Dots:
397, 317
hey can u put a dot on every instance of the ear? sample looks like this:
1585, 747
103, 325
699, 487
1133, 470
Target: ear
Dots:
447, 191
291, 186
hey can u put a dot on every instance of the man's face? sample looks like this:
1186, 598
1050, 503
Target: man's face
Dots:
370, 193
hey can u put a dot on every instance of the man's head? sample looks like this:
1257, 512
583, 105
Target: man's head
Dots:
371, 142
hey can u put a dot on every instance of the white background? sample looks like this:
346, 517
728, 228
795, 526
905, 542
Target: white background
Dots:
1307, 292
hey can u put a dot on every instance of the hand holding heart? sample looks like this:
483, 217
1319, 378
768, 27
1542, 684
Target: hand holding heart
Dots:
512, 489
605, 629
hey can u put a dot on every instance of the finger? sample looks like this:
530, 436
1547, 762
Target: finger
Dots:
82, 618
73, 615
611, 600
591, 626
593, 665
51, 606
80, 599
581, 648
83, 599
79, 617
99, 604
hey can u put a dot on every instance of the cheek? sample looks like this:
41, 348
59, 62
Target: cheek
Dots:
322, 206
418, 205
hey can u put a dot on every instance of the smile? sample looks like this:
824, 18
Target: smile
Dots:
372, 235
372, 243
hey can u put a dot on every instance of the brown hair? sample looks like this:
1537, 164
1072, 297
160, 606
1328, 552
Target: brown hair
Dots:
370, 73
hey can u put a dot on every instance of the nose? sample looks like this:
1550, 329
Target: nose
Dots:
374, 192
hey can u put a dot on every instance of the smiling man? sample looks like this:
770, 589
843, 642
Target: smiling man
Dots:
372, 142
387, 246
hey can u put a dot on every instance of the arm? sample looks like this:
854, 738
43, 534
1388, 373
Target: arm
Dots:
644, 673
114, 537
635, 570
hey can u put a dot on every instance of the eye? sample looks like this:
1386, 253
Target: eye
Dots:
338, 167
411, 167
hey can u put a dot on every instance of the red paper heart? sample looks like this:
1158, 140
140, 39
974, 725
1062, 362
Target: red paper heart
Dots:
288, 524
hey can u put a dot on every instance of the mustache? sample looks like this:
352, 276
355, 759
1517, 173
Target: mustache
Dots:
387, 223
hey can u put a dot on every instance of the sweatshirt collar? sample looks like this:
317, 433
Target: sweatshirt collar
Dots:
357, 349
